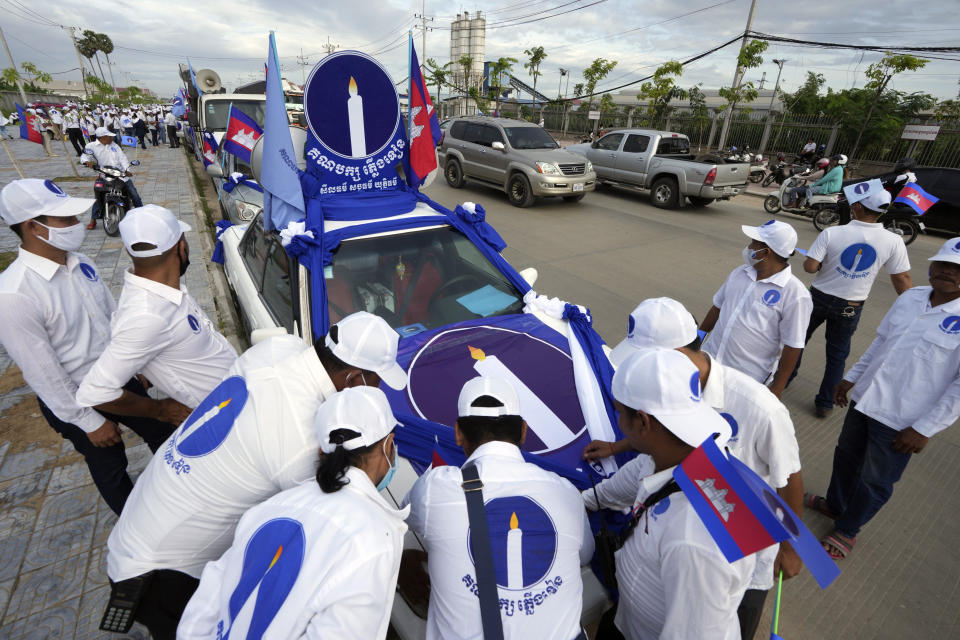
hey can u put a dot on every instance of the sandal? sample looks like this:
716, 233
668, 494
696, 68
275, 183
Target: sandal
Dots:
818, 503
837, 546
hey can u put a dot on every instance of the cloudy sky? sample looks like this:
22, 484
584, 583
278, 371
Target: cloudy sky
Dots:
152, 36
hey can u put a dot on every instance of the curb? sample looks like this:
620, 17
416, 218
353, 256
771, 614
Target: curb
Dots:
226, 313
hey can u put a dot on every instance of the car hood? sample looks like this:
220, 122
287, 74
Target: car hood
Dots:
579, 149
556, 156
534, 356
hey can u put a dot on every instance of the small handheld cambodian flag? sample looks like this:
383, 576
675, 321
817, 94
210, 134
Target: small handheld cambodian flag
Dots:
128, 141
242, 133
743, 513
916, 198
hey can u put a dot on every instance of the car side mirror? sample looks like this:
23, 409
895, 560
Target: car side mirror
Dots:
135, 163
259, 335
530, 274
594, 144
498, 146
214, 171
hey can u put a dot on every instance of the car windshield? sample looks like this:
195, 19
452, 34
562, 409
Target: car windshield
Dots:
530, 138
417, 281
218, 111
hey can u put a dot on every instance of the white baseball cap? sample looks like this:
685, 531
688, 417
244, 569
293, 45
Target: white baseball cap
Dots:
666, 384
361, 409
656, 322
949, 252
26, 199
367, 341
497, 388
870, 194
777, 235
151, 224
103, 131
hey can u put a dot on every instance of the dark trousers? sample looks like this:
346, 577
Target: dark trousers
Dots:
841, 317
108, 465
153, 136
163, 602
172, 134
131, 189
142, 137
76, 139
865, 468
750, 611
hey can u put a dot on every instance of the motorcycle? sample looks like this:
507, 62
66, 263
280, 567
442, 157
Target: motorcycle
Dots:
108, 189
813, 206
898, 218
758, 169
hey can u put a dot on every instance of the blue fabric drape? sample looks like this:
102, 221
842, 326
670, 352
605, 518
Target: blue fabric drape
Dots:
231, 184
222, 225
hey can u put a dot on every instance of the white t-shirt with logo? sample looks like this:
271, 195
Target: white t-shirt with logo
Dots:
249, 439
540, 537
757, 319
852, 255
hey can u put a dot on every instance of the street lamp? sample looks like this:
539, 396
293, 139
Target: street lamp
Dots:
563, 72
776, 85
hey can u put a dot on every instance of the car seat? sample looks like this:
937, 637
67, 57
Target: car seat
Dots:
415, 284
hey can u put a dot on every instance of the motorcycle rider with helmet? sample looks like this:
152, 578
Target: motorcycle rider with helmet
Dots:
107, 153
831, 181
905, 174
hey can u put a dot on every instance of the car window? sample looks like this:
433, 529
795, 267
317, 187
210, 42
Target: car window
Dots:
530, 138
669, 146
277, 292
417, 281
458, 129
610, 142
490, 135
475, 134
254, 247
218, 112
636, 143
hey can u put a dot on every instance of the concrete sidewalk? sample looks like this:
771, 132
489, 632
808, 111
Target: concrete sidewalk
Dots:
53, 524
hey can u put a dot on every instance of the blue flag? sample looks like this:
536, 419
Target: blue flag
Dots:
279, 175
128, 141
193, 77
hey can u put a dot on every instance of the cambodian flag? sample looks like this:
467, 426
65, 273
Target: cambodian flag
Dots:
744, 514
210, 147
424, 133
242, 133
30, 126
916, 198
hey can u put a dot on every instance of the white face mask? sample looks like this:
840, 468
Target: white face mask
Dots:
750, 256
65, 238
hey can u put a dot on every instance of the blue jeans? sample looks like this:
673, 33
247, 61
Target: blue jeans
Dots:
865, 468
796, 193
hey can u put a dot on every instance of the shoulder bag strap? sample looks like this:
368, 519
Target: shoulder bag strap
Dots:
482, 554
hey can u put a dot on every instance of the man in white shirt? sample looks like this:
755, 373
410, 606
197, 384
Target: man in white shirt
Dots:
328, 550
159, 330
107, 153
906, 389
762, 437
847, 260
55, 322
674, 581
74, 133
170, 121
249, 439
760, 314
539, 533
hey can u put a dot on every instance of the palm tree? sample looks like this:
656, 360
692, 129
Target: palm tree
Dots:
497, 69
536, 55
466, 63
437, 74
87, 44
105, 44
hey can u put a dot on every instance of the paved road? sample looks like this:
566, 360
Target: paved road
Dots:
613, 249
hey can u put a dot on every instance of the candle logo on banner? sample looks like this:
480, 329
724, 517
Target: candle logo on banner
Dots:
523, 539
356, 135
541, 374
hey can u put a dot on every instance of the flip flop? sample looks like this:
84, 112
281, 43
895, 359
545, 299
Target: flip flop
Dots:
837, 546
819, 504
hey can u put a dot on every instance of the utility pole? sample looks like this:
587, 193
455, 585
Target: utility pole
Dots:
304, 63
738, 75
330, 48
563, 72
423, 35
776, 85
83, 72
763, 80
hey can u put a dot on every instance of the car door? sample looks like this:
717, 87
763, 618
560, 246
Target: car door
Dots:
494, 161
471, 148
604, 155
631, 162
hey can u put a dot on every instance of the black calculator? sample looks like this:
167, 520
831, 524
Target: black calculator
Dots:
124, 598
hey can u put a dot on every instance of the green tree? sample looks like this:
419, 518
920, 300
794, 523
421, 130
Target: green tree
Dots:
466, 63
578, 90
593, 74
483, 104
807, 99
699, 110
749, 58
880, 74
535, 56
947, 110
437, 74
662, 90
30, 76
105, 44
89, 44
497, 70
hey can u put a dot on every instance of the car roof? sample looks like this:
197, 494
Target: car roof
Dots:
501, 121
664, 134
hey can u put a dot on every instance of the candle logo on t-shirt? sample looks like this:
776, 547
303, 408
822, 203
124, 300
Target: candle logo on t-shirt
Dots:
210, 423
950, 325
523, 539
857, 258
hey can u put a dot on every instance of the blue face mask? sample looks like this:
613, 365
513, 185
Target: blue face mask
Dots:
387, 479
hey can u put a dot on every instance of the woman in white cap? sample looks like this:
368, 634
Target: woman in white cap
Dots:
319, 560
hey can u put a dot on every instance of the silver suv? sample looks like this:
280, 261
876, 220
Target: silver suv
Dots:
518, 157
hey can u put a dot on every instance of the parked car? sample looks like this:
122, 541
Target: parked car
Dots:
520, 158
941, 182
435, 287
242, 202
661, 162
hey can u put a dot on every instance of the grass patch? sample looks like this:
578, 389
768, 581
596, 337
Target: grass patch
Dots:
199, 186
6, 257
